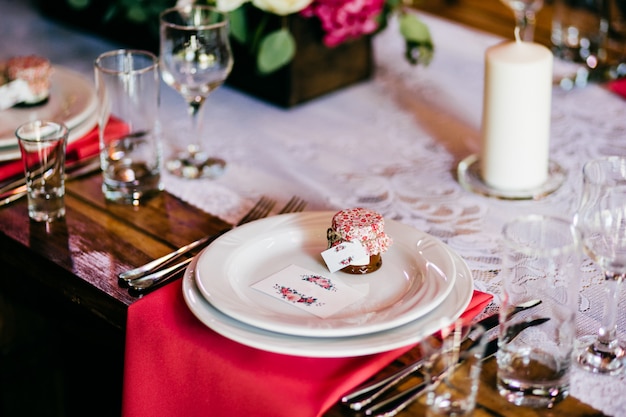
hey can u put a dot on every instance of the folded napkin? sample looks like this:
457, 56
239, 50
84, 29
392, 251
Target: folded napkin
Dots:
82, 148
618, 87
176, 366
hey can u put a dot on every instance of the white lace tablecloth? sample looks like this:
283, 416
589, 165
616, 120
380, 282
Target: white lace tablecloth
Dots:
392, 144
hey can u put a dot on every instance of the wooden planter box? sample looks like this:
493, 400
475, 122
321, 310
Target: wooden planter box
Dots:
315, 70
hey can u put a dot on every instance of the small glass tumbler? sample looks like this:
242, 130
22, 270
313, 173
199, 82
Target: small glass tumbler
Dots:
42, 145
455, 373
128, 87
541, 261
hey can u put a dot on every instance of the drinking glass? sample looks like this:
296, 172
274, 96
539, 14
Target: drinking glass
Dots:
540, 261
457, 366
525, 12
42, 145
601, 219
196, 58
128, 88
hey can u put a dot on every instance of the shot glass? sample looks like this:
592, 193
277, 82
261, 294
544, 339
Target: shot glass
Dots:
42, 145
541, 260
128, 88
455, 373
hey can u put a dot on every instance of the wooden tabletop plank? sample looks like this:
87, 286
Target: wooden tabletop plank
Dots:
487, 15
81, 255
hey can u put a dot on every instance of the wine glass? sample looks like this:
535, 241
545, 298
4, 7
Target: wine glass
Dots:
601, 218
196, 58
525, 12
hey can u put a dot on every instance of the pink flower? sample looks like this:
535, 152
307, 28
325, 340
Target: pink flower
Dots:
345, 19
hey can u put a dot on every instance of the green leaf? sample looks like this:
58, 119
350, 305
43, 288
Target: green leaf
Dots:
238, 25
419, 44
277, 49
393, 4
136, 14
413, 29
78, 4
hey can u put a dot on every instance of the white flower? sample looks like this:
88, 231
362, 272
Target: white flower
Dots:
229, 5
281, 7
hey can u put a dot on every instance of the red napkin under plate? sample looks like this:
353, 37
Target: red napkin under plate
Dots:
618, 87
176, 366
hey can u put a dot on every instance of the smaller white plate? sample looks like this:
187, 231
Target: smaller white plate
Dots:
416, 276
72, 100
332, 347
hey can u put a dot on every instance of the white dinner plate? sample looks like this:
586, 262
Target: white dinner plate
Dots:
72, 100
417, 274
332, 347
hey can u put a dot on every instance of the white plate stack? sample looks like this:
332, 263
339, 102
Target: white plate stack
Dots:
421, 287
72, 101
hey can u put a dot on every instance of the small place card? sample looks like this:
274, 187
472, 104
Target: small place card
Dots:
309, 291
344, 253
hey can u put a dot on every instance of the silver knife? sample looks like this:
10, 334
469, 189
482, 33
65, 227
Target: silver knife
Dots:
20, 191
399, 402
364, 394
392, 406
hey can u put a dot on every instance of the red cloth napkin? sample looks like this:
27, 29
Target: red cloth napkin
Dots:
176, 366
618, 87
79, 149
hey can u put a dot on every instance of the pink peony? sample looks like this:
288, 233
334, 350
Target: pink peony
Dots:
345, 19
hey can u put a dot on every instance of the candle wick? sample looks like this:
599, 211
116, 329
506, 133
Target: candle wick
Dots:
517, 36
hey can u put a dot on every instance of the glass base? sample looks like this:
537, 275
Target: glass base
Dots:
470, 177
194, 165
599, 358
532, 395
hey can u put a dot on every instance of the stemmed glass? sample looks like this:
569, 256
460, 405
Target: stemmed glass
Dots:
601, 219
525, 12
196, 58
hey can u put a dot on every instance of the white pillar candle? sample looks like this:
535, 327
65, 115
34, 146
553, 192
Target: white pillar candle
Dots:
516, 115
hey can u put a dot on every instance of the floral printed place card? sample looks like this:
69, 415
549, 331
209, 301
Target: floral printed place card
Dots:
309, 291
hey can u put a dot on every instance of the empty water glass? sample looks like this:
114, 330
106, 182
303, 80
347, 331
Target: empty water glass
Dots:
42, 145
128, 87
455, 373
541, 261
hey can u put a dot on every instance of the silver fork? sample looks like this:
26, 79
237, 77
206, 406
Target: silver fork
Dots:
294, 205
160, 277
259, 210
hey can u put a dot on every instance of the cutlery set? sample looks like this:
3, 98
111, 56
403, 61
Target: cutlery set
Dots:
154, 273
157, 272
369, 398
13, 190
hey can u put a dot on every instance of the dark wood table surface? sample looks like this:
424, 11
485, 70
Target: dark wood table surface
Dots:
64, 276
63, 312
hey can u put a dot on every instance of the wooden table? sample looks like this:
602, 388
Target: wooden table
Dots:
63, 277
488, 15
63, 314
